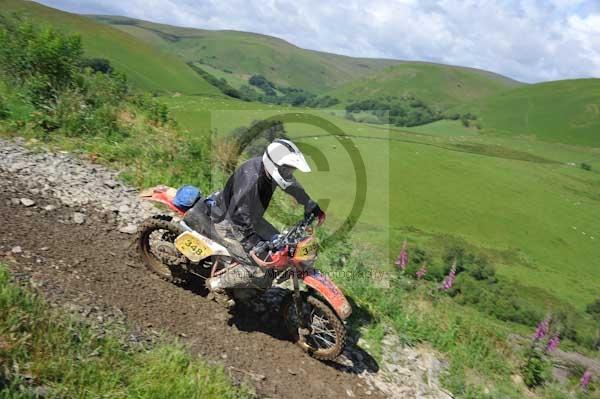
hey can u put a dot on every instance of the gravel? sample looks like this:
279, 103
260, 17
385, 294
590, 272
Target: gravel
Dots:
27, 202
78, 218
75, 183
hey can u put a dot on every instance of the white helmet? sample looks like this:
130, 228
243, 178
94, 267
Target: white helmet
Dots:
280, 159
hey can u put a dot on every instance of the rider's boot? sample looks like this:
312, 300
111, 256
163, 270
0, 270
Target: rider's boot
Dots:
218, 294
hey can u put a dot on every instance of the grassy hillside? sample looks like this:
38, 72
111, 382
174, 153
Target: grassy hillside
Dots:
146, 66
443, 85
443, 183
565, 111
512, 200
246, 54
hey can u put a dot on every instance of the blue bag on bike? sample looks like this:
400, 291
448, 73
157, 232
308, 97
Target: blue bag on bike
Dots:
186, 197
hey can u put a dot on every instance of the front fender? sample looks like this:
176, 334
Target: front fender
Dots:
327, 288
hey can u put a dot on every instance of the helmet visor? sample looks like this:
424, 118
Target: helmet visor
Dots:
287, 172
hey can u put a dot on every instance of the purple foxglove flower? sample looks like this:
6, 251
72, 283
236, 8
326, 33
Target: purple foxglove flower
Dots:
422, 271
542, 329
449, 280
402, 259
553, 343
586, 378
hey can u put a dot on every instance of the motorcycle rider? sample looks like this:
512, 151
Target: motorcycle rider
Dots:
239, 209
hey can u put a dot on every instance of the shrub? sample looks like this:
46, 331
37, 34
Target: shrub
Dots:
247, 93
586, 166
69, 93
482, 270
72, 115
220, 84
100, 88
4, 111
288, 95
535, 370
565, 324
405, 111
262, 83
594, 309
157, 112
69, 113
101, 65
41, 58
458, 253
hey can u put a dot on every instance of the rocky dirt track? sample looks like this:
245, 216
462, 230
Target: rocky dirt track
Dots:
67, 226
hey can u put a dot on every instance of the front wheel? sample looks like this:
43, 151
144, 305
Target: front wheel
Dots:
327, 335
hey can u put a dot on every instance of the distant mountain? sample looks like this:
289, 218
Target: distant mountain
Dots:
245, 54
438, 84
146, 66
154, 58
566, 111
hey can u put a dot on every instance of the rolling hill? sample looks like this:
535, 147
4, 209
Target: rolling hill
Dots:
438, 84
565, 111
245, 54
146, 66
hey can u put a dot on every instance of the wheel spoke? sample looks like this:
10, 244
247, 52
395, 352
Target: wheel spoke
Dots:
328, 344
322, 331
323, 336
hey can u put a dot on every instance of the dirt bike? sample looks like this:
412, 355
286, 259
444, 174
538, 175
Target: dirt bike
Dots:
314, 317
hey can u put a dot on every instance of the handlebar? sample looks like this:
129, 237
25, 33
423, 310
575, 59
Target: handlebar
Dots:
309, 219
280, 242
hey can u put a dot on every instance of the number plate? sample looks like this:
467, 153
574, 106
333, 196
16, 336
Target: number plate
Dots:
192, 247
307, 250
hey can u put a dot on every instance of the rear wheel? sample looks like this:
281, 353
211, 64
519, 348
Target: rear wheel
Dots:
156, 247
327, 335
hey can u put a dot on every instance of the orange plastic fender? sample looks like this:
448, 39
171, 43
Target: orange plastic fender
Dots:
162, 194
327, 288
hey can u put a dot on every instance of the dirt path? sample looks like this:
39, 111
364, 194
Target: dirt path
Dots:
88, 262
66, 225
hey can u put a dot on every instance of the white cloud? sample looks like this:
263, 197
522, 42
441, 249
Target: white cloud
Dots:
530, 40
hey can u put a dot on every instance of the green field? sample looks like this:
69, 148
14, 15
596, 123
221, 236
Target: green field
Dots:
146, 66
565, 111
246, 54
514, 198
442, 85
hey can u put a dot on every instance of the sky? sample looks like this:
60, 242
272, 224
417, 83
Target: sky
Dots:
527, 40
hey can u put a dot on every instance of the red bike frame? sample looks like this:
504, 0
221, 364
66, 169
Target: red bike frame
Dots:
315, 279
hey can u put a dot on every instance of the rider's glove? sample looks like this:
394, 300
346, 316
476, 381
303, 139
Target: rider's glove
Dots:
275, 237
271, 244
312, 208
262, 246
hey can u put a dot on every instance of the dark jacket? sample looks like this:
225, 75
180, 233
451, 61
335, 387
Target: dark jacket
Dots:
246, 197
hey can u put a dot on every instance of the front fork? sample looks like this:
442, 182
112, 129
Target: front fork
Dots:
304, 324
